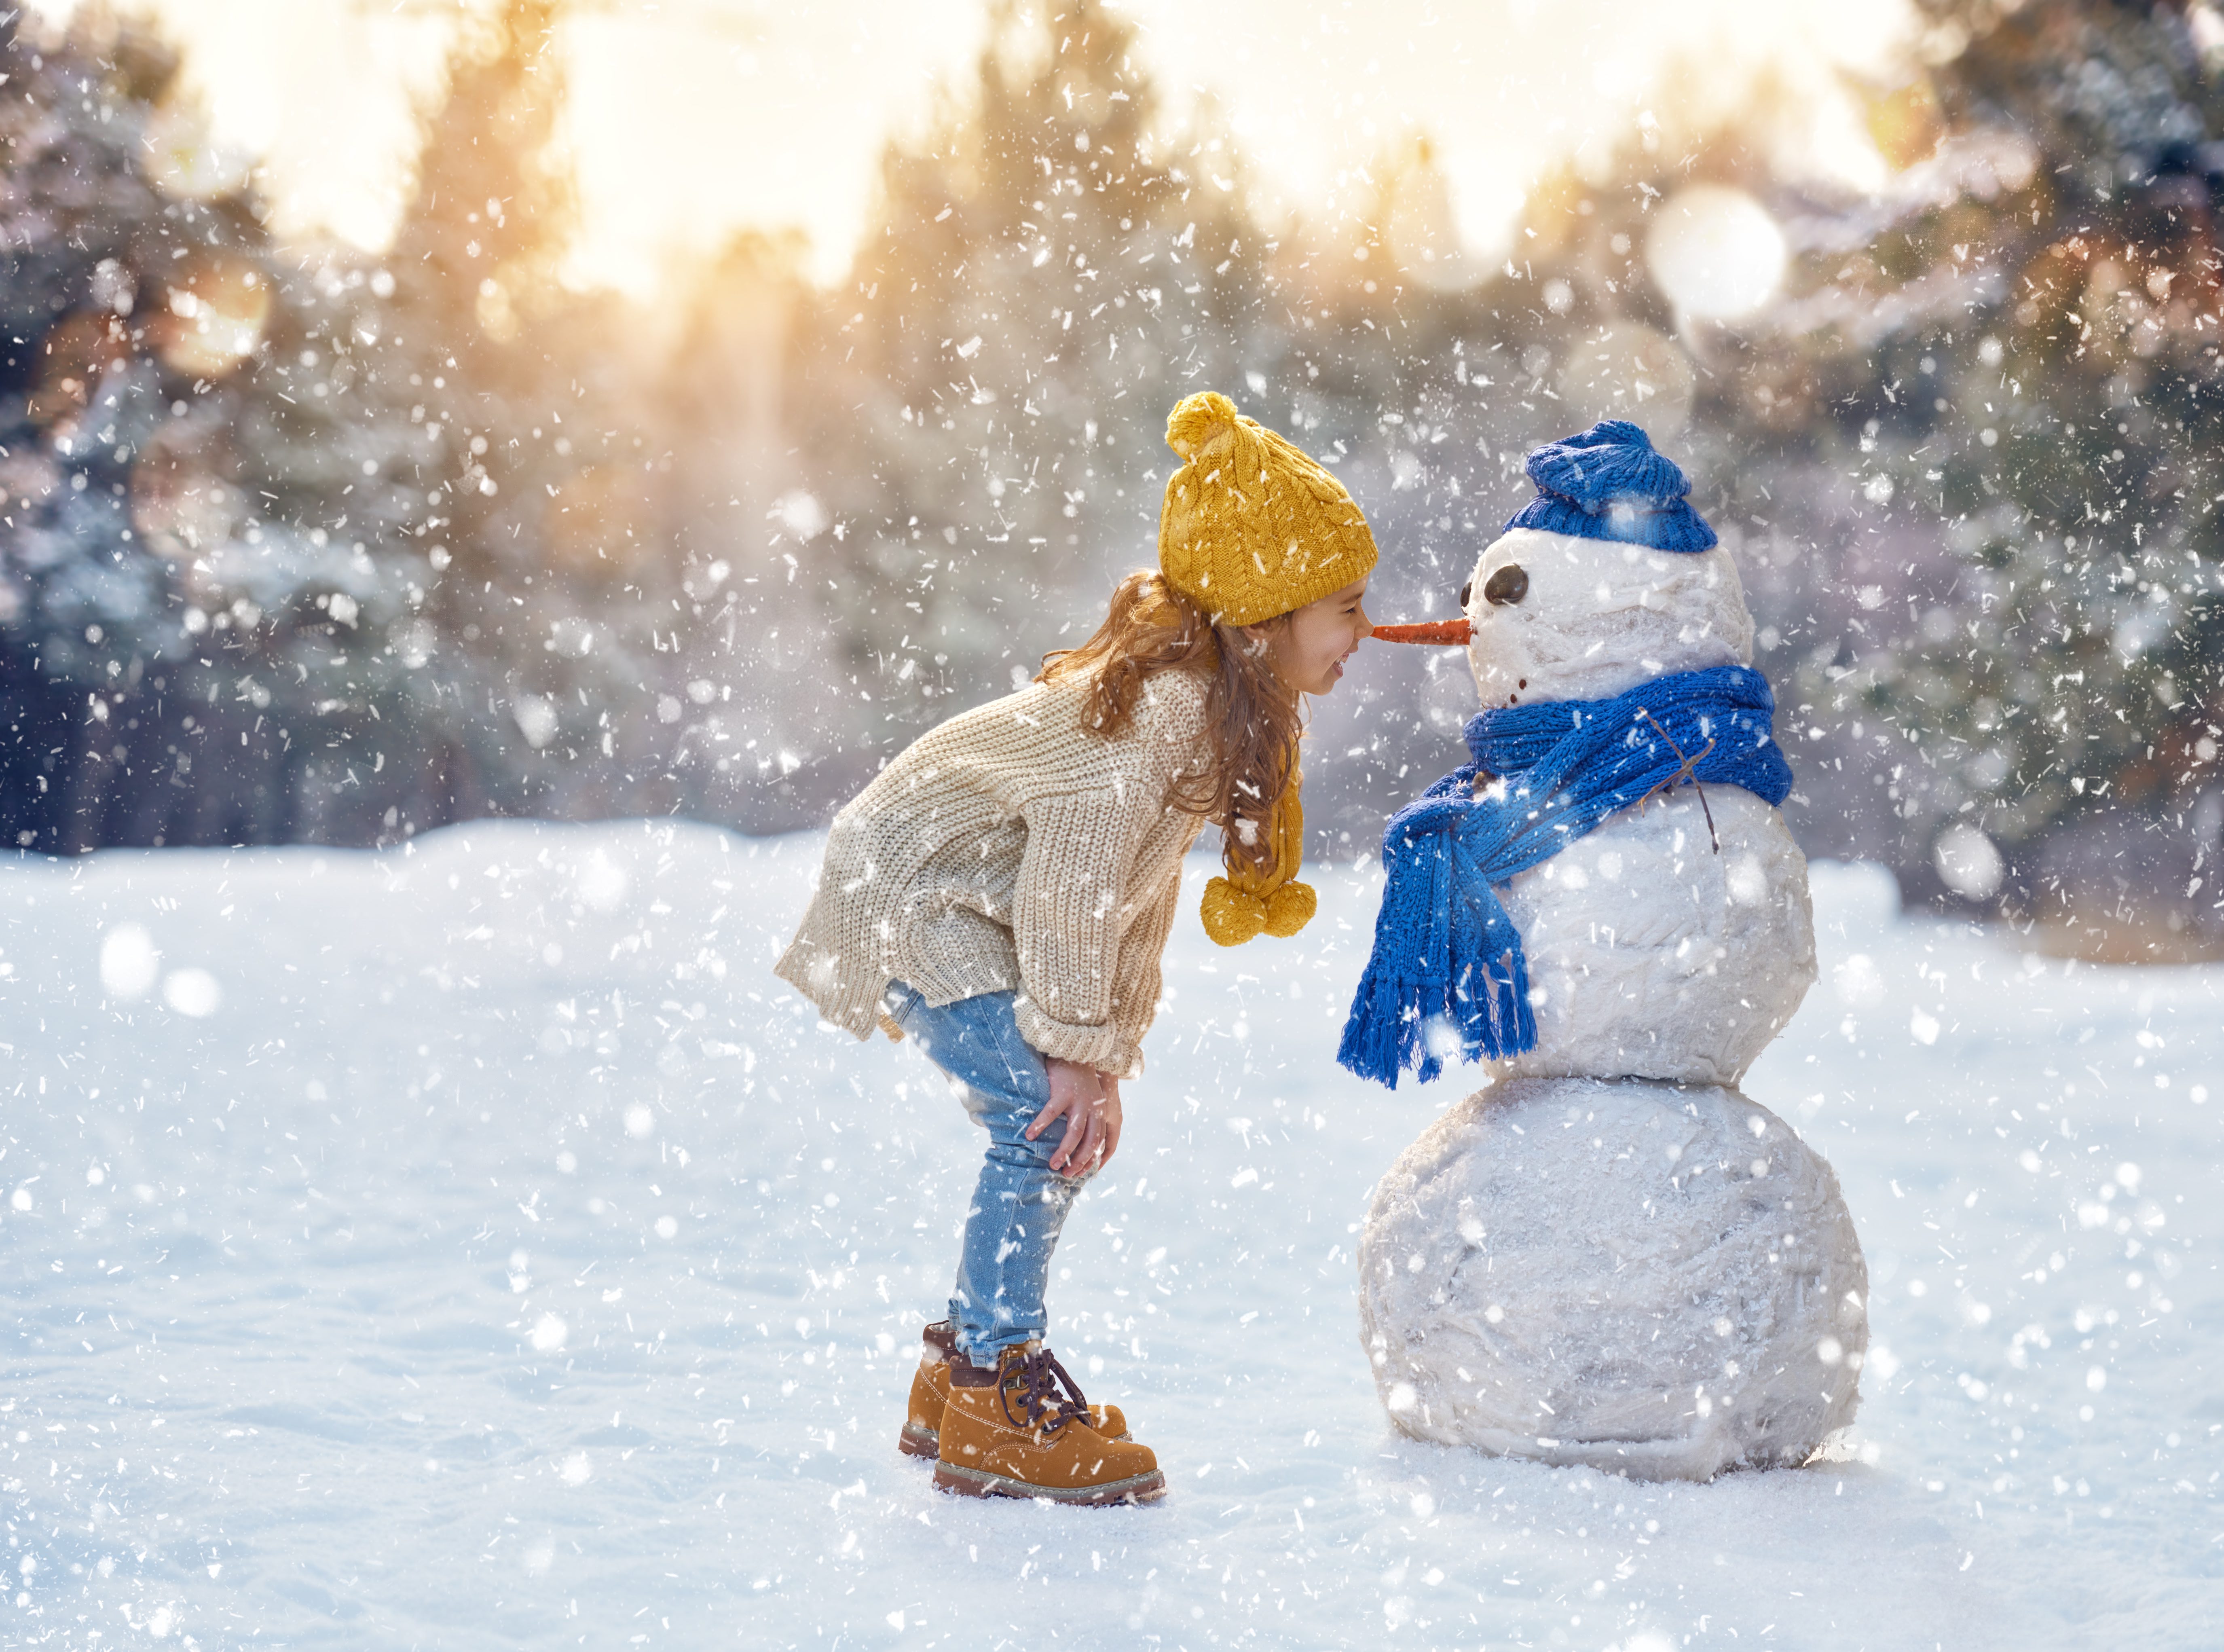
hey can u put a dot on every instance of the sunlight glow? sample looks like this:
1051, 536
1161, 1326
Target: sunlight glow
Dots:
687, 124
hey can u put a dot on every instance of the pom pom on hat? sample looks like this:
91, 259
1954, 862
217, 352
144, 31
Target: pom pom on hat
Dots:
1198, 419
1233, 916
1290, 908
1252, 526
1608, 482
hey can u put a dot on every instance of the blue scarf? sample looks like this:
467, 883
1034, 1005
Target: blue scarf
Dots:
1443, 945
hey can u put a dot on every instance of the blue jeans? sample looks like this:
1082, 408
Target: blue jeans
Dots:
1020, 1203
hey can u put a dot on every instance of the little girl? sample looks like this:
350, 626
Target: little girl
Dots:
1003, 891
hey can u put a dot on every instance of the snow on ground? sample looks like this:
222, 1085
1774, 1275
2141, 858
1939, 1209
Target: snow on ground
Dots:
476, 1246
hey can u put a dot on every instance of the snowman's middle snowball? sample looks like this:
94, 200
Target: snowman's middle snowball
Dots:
1654, 954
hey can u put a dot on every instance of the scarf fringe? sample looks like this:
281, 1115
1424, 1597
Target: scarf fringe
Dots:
1400, 1024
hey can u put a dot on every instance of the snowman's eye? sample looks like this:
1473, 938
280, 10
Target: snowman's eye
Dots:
1507, 586
1466, 591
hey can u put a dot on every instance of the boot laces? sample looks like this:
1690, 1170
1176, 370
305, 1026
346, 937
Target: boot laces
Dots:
1053, 1398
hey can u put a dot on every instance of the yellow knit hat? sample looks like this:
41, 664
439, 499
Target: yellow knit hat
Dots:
1252, 527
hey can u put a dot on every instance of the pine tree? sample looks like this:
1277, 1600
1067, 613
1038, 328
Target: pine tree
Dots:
492, 208
559, 557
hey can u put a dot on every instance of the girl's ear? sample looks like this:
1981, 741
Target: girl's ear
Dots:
1260, 638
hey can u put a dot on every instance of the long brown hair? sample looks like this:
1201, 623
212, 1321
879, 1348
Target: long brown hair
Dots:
1252, 718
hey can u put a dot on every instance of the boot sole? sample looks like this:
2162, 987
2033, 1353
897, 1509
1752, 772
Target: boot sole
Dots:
978, 1483
925, 1443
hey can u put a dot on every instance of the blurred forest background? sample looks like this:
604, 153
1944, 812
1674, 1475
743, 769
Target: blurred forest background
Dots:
302, 544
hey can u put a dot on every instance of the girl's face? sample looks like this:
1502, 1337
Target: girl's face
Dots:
1310, 646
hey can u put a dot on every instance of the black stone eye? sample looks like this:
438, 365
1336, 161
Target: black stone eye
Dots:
1507, 586
1466, 591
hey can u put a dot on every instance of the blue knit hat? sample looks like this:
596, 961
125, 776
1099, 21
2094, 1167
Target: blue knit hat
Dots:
1608, 483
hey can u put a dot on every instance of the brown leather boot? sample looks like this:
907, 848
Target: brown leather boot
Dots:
930, 1392
1022, 1430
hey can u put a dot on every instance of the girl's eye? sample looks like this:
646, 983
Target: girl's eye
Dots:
1507, 586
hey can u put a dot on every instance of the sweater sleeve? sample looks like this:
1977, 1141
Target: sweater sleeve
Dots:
1065, 918
1137, 982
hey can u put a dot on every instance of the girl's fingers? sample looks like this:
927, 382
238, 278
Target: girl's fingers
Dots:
1083, 1132
1077, 1131
1052, 1109
1085, 1154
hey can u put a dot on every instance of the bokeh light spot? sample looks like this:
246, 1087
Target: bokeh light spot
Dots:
1715, 252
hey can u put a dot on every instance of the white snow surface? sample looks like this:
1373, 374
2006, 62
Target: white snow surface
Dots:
1601, 617
1660, 956
1657, 1281
478, 1246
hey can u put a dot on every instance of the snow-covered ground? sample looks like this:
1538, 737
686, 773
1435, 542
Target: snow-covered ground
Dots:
476, 1246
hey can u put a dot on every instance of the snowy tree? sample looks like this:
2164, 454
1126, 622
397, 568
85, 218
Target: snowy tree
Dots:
2049, 397
195, 639
307, 544
547, 476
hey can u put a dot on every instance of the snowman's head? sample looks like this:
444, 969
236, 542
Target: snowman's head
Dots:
1605, 579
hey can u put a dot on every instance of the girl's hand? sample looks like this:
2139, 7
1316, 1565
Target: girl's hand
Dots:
1090, 1102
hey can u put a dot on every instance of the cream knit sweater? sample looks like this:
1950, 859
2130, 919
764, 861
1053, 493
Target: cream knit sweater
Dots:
1009, 849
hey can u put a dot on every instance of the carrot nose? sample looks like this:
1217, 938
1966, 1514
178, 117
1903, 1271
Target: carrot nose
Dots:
1445, 633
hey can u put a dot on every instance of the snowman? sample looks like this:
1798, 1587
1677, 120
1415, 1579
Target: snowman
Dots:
1609, 1255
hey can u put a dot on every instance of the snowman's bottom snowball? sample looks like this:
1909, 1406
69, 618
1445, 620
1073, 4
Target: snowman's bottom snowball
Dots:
1653, 1280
